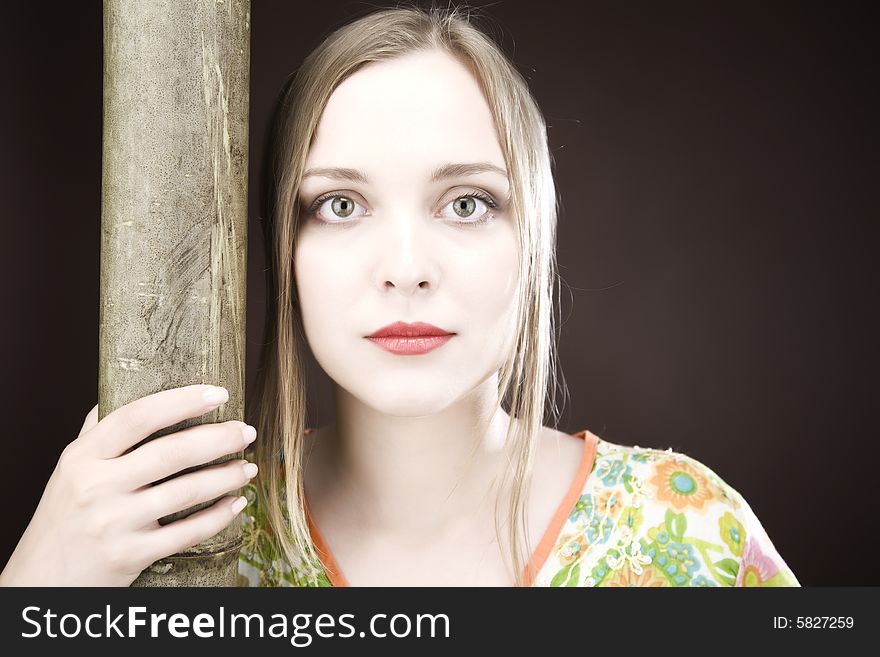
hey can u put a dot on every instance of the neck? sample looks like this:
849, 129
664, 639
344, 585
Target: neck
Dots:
407, 475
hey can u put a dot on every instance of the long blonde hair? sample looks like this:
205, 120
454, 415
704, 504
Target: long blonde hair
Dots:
528, 375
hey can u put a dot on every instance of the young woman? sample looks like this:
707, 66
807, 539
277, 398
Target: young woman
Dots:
415, 187
412, 242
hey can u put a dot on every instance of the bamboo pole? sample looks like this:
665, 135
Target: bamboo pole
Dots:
174, 224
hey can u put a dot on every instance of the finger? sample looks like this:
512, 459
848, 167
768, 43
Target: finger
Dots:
128, 425
188, 490
91, 421
196, 528
180, 450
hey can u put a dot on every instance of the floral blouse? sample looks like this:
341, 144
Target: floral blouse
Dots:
632, 516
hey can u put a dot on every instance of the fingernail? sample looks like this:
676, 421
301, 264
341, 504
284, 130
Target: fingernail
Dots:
250, 470
239, 504
250, 434
215, 395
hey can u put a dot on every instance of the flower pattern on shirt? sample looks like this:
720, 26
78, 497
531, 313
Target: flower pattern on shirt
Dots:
682, 486
645, 517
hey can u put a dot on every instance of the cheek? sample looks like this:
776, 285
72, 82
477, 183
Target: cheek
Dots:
487, 280
326, 298
320, 284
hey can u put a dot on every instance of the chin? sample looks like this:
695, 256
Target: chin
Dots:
406, 401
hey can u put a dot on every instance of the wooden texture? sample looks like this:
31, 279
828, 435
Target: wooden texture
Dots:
174, 224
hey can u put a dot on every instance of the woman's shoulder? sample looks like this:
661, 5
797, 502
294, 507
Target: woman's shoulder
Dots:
673, 478
659, 517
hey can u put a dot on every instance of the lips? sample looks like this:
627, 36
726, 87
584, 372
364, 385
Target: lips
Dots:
404, 330
410, 339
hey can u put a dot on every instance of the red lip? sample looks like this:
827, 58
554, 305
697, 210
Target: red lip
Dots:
404, 330
410, 339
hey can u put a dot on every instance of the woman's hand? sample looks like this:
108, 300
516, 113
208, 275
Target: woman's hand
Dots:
97, 522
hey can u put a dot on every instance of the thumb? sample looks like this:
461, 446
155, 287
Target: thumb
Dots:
91, 420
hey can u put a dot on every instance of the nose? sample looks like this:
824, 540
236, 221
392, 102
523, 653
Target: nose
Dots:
407, 260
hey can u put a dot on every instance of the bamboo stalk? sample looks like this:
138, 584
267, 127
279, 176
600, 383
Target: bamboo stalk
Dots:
174, 224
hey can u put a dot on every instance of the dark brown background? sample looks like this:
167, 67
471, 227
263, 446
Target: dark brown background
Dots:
717, 239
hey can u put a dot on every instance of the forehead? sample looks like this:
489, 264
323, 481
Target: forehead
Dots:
413, 111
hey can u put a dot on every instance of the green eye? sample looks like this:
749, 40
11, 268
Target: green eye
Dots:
342, 206
464, 206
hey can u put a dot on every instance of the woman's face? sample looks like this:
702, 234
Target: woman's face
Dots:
399, 246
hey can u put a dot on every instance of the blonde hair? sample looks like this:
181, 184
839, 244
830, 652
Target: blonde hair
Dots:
527, 376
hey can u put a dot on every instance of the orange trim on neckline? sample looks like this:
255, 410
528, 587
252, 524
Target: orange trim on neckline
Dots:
542, 551
564, 510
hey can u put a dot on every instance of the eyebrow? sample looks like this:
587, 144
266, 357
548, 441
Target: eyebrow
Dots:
455, 170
